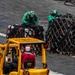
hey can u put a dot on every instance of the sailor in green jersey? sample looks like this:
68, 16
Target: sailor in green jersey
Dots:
53, 15
30, 17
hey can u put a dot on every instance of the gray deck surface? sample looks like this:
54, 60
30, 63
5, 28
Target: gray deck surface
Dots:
11, 12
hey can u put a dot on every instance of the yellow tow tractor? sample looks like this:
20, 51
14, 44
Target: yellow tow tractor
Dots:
12, 49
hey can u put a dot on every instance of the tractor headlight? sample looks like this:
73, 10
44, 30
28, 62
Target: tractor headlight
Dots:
26, 72
44, 65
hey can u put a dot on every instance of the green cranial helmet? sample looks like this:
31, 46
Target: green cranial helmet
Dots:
54, 12
32, 13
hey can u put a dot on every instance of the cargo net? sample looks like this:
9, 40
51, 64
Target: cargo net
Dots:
60, 35
19, 31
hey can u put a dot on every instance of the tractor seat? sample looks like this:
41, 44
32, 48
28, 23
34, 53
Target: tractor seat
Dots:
29, 64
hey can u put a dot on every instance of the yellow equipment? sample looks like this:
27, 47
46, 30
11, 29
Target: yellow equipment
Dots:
15, 43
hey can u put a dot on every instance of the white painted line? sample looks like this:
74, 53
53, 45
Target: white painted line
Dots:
3, 35
73, 56
55, 73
